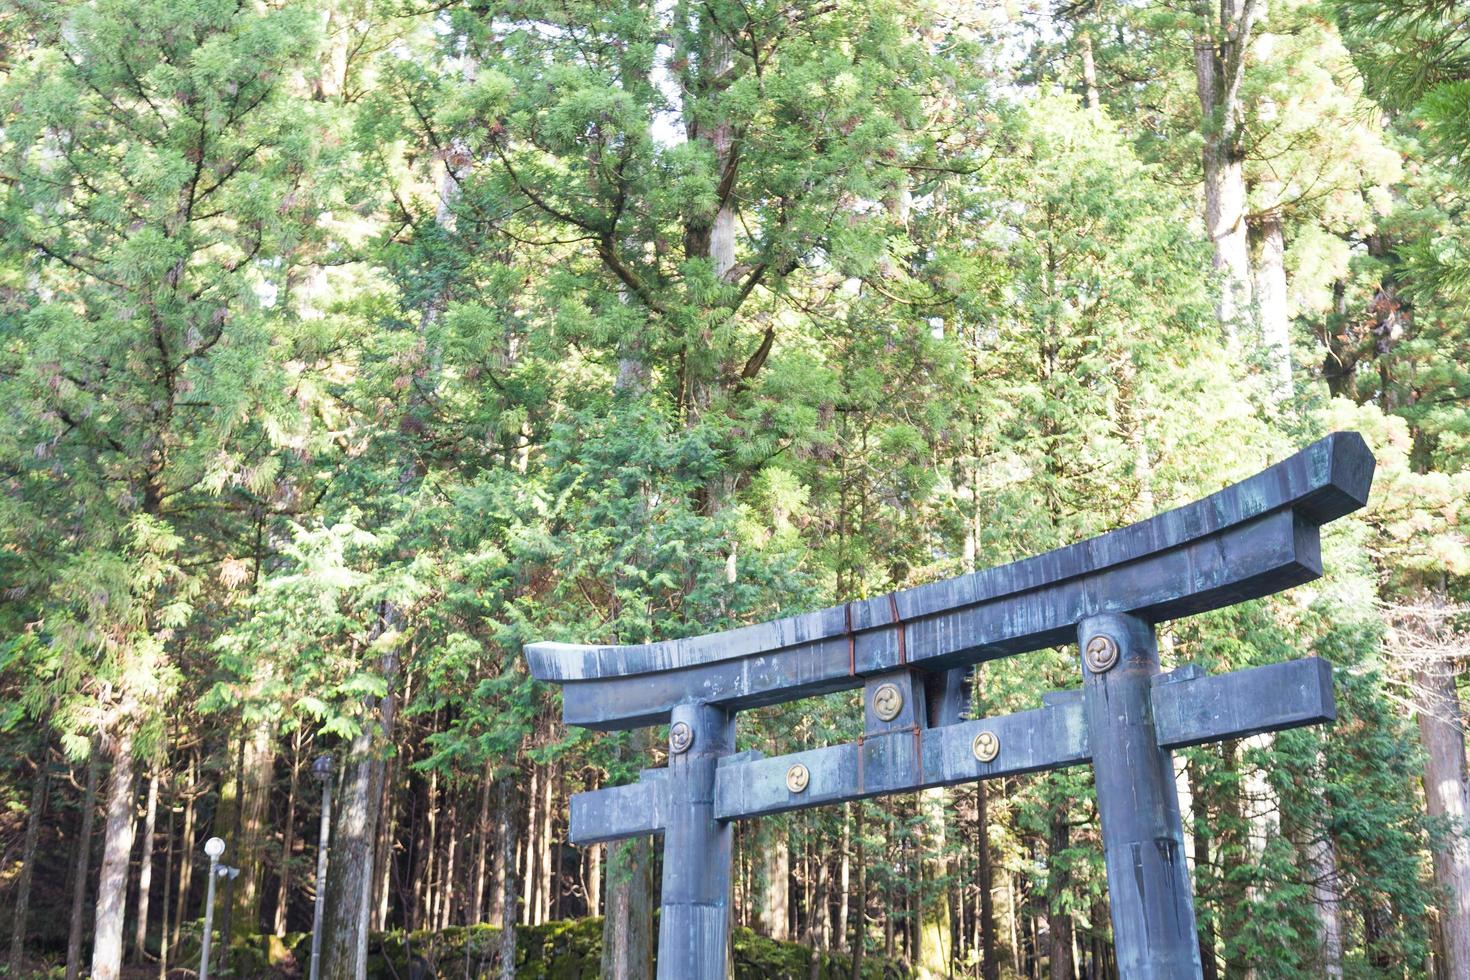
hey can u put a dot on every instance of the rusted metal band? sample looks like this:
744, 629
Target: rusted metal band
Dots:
851, 639
918, 754
903, 653
917, 731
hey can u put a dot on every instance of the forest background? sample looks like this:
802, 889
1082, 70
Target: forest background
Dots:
347, 345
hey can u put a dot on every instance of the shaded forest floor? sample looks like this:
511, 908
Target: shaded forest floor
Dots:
564, 950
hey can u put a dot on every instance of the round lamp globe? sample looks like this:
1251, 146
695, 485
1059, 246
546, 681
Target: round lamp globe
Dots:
214, 847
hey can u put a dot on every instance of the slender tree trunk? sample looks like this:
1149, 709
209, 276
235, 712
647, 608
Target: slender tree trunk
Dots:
935, 940
549, 879
989, 953
844, 878
117, 850
288, 844
482, 836
145, 868
1271, 302
350, 871
446, 879
389, 806
594, 880
186, 853
1089, 70
1059, 921
1321, 855
1233, 850
18, 916
1442, 733
530, 870
509, 890
83, 864
627, 926
257, 773
1012, 914
1219, 71
496, 911
775, 908
168, 878
423, 879
627, 930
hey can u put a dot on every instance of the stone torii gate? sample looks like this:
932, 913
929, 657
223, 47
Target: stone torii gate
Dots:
909, 652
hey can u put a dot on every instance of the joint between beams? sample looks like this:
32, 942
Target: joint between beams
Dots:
903, 657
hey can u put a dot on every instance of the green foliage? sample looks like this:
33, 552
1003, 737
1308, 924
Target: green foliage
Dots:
346, 347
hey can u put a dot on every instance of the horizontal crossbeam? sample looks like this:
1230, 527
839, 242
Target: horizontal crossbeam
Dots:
618, 812
1189, 708
1251, 539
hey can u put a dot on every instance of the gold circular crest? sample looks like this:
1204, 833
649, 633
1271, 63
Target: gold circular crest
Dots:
887, 702
681, 736
1101, 653
986, 746
797, 778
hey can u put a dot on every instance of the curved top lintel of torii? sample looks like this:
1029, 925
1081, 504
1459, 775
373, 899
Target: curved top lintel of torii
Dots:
1247, 540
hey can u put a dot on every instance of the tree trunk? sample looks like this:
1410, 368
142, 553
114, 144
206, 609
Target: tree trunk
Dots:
422, 914
83, 865
257, 773
168, 878
446, 879
117, 850
593, 878
1233, 851
627, 931
529, 872
27, 869
482, 836
389, 804
1200, 818
145, 868
989, 954
1271, 303
186, 853
549, 879
1219, 71
508, 884
1442, 732
935, 940
1321, 856
288, 844
844, 878
349, 874
775, 906
1089, 70
1059, 921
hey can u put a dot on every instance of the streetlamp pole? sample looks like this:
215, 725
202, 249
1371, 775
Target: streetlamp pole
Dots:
321, 767
214, 847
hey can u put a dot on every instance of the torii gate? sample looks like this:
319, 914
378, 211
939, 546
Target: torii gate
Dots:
909, 652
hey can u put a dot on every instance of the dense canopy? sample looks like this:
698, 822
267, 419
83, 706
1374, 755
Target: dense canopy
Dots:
348, 346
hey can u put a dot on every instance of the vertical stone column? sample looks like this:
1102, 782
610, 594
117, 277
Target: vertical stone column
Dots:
1143, 843
694, 926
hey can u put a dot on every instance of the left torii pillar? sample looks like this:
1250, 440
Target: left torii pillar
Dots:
694, 931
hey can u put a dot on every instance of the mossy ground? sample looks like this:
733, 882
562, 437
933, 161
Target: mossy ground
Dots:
563, 950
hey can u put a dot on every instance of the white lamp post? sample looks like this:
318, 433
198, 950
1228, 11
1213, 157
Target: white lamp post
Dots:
214, 847
321, 768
